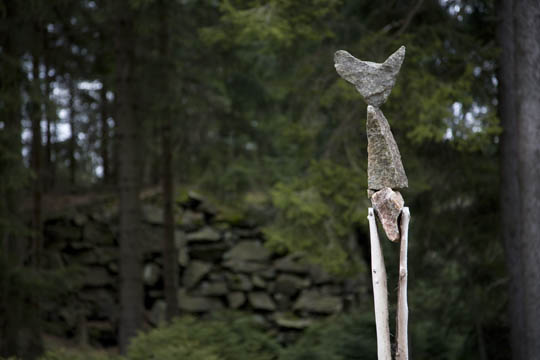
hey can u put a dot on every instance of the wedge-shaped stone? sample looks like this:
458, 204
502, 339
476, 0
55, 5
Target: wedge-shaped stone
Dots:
373, 81
388, 205
384, 160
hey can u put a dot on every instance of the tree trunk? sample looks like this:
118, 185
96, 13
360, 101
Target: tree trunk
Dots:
104, 136
509, 191
35, 116
131, 288
49, 118
527, 96
11, 303
73, 137
170, 253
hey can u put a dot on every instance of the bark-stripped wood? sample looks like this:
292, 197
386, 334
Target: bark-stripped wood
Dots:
402, 320
380, 291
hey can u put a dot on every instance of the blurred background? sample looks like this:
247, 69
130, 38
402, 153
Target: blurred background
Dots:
186, 179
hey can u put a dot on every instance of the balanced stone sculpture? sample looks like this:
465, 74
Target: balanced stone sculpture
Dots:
374, 82
385, 175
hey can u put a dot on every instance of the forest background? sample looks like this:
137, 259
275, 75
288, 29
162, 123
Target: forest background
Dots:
239, 100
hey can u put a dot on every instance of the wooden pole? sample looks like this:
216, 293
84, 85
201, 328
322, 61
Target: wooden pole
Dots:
380, 291
402, 320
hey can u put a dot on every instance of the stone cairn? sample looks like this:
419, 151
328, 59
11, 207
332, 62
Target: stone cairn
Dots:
386, 175
385, 171
222, 262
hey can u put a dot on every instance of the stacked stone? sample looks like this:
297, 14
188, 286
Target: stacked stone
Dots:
386, 174
222, 261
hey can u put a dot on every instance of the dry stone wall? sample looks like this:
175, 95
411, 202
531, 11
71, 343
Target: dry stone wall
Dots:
222, 265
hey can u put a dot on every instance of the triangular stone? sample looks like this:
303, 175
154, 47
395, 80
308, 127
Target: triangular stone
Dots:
384, 160
373, 81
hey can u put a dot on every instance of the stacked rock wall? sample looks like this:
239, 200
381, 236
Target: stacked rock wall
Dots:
222, 265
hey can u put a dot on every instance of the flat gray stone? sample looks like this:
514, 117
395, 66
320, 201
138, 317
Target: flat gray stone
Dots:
197, 304
283, 302
239, 282
292, 263
191, 220
385, 168
315, 302
290, 284
206, 234
236, 299
388, 205
211, 252
248, 251
373, 81
258, 281
195, 271
158, 313
213, 288
261, 301
183, 257
244, 266
290, 321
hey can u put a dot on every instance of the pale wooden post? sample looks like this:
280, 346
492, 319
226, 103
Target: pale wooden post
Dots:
380, 291
402, 319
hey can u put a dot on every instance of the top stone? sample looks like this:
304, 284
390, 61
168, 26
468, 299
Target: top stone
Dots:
372, 80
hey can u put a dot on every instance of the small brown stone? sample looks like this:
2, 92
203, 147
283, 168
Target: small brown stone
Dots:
388, 205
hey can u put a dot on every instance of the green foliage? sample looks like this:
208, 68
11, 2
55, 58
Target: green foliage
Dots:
225, 337
67, 354
350, 337
316, 214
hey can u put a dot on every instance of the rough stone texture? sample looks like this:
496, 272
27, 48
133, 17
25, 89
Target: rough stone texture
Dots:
290, 284
206, 234
373, 81
244, 266
268, 273
292, 264
158, 312
384, 160
258, 281
319, 275
388, 205
283, 302
151, 273
190, 220
197, 304
314, 302
239, 282
210, 280
208, 251
236, 299
183, 257
213, 288
261, 301
289, 321
195, 272
248, 250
